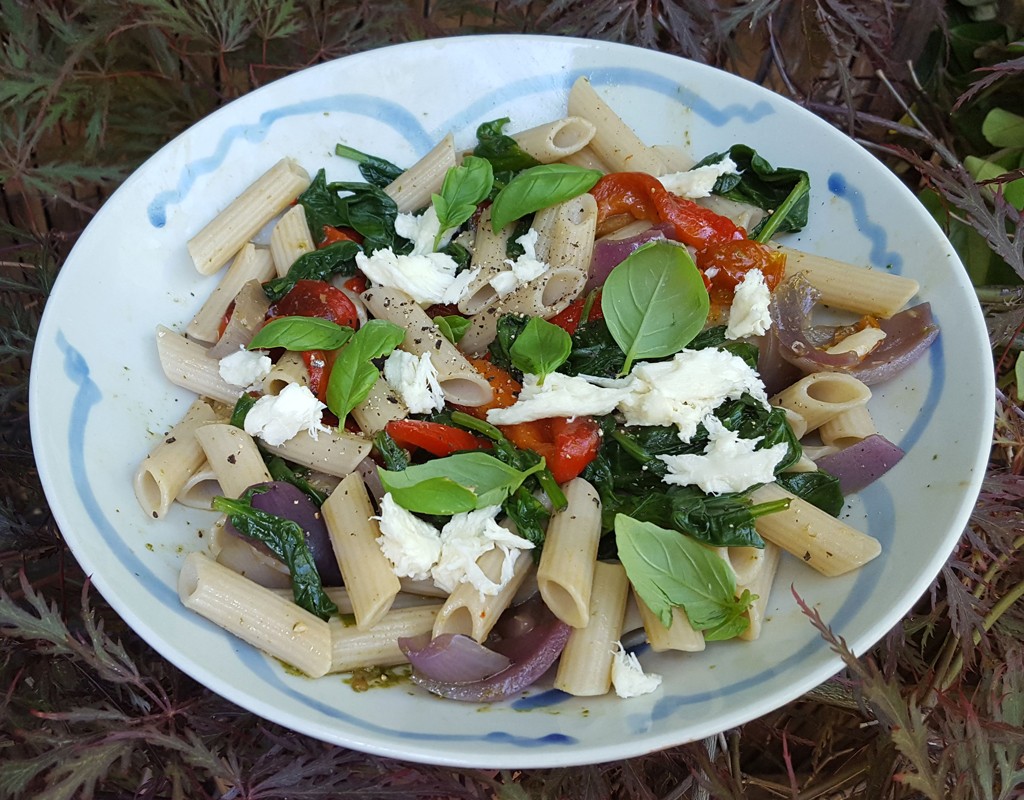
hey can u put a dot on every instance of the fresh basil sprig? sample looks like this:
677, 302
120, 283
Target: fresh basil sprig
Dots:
654, 302
353, 376
540, 187
287, 541
541, 348
301, 333
464, 187
668, 569
454, 484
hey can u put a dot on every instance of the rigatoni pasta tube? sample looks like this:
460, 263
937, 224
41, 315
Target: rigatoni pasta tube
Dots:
459, 379
228, 232
366, 571
585, 666
168, 466
821, 396
566, 570
251, 263
275, 625
355, 647
819, 540
851, 288
233, 456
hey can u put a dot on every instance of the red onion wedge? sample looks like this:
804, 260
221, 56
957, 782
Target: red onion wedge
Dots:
862, 463
908, 336
532, 653
286, 500
452, 658
610, 252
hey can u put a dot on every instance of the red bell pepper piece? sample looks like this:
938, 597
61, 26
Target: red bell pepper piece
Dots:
567, 445
434, 437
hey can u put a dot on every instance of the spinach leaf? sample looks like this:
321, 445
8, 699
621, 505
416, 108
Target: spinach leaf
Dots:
369, 211
353, 376
456, 483
715, 337
316, 265
393, 456
530, 516
540, 187
654, 302
374, 170
301, 333
500, 149
319, 203
760, 184
540, 348
459, 254
818, 488
280, 471
287, 541
513, 247
464, 187
594, 351
452, 326
508, 329
242, 406
669, 569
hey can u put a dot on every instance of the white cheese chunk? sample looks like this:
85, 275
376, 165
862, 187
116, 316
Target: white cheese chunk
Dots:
749, 315
628, 677
421, 230
698, 182
561, 396
410, 543
466, 537
525, 268
245, 368
277, 418
685, 389
426, 277
414, 379
729, 463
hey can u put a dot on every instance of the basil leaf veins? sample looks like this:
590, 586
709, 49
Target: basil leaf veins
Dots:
301, 333
540, 187
654, 302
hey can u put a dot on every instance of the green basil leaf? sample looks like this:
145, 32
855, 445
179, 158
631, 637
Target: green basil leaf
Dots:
301, 333
353, 376
654, 302
500, 149
464, 187
287, 541
669, 569
540, 187
316, 265
374, 170
434, 487
452, 327
541, 348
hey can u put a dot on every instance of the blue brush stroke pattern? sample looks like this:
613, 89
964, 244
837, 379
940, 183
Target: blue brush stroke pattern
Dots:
403, 122
874, 232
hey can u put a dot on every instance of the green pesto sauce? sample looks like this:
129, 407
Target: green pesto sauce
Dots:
362, 680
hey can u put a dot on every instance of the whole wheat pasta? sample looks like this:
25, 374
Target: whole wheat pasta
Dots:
470, 613
333, 452
680, 635
355, 647
187, 364
233, 456
848, 427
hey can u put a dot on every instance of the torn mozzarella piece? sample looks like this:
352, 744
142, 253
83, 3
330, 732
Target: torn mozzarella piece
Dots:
561, 396
699, 181
628, 677
277, 418
245, 368
466, 537
414, 379
411, 544
749, 314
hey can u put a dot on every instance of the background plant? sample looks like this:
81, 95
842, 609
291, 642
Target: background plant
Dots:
90, 88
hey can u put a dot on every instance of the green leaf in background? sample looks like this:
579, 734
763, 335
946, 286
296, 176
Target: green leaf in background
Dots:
654, 302
540, 187
983, 170
668, 569
1003, 128
353, 376
464, 187
301, 333
541, 348
457, 483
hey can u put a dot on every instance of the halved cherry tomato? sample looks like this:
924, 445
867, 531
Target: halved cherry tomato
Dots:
332, 235
726, 263
435, 438
357, 283
316, 299
569, 318
505, 388
567, 445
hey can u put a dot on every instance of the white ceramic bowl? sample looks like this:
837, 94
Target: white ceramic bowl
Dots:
99, 400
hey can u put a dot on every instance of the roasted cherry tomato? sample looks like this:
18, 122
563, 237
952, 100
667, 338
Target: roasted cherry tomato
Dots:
435, 438
567, 445
318, 366
505, 388
569, 319
316, 299
726, 263
356, 284
332, 235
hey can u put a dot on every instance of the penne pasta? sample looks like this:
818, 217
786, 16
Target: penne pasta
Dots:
554, 141
614, 141
356, 647
412, 189
186, 364
290, 238
821, 396
470, 613
233, 456
251, 264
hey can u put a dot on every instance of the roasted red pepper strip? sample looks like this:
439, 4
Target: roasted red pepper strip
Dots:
332, 235
569, 319
435, 438
568, 446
